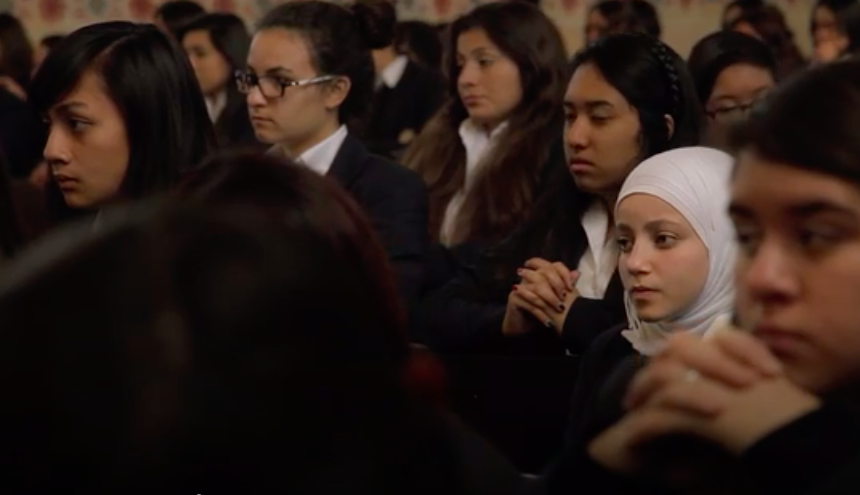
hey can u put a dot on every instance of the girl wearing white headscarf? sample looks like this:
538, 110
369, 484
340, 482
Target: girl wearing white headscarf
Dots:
695, 182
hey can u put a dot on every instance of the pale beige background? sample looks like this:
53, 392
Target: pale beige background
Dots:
684, 22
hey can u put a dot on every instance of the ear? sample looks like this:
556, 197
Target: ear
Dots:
670, 126
336, 92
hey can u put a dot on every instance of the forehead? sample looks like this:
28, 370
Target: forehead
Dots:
588, 85
474, 39
763, 185
280, 48
198, 36
90, 91
741, 80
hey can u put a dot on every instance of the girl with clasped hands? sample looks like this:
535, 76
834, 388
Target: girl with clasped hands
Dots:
780, 399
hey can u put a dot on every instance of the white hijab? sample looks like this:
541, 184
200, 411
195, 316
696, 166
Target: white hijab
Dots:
695, 181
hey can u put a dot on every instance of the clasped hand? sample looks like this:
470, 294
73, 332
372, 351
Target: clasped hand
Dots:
728, 389
546, 292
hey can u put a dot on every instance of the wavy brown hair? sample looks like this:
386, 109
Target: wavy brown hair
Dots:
503, 193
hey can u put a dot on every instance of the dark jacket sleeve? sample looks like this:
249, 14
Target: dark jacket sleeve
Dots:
818, 454
587, 319
398, 211
460, 316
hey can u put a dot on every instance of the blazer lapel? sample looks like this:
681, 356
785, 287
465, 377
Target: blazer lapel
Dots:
349, 162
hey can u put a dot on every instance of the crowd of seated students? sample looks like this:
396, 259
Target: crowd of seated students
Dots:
353, 256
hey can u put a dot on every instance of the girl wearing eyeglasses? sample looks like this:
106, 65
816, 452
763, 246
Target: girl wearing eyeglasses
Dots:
310, 77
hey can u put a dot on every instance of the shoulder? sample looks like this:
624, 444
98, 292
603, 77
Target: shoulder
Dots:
389, 172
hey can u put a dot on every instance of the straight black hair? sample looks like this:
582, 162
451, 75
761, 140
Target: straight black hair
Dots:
655, 81
152, 84
810, 122
174, 14
340, 40
228, 34
718, 51
16, 53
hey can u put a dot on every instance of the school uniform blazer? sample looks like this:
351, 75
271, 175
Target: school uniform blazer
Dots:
398, 114
395, 200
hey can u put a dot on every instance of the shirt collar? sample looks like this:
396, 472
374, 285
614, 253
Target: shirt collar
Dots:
215, 106
320, 157
393, 72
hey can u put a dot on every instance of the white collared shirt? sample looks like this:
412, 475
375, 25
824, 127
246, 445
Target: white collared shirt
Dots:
393, 72
215, 106
600, 260
320, 157
478, 144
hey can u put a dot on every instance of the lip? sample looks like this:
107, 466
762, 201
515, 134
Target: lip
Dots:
640, 292
779, 340
471, 100
578, 165
257, 118
64, 182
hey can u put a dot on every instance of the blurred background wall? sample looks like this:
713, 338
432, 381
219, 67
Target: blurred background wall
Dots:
684, 21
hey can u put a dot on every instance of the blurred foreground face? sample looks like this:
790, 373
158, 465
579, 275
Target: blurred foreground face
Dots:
798, 268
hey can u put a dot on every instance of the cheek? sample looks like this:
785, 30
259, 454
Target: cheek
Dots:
686, 271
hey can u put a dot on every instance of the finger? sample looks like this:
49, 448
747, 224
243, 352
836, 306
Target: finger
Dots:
617, 448
709, 360
700, 397
749, 351
653, 423
559, 277
651, 380
536, 263
526, 300
565, 275
539, 284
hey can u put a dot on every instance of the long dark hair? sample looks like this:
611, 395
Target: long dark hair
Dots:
16, 52
175, 13
340, 40
228, 34
847, 13
718, 51
810, 122
769, 23
502, 195
629, 16
654, 80
214, 353
151, 82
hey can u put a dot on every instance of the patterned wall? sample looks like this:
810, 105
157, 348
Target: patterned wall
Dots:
684, 21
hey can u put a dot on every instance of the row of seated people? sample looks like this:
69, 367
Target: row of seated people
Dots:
244, 333
614, 116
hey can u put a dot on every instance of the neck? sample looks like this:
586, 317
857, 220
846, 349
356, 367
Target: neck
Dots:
295, 148
383, 57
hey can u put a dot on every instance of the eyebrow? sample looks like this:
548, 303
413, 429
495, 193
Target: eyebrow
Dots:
590, 104
272, 70
652, 226
754, 93
802, 210
70, 106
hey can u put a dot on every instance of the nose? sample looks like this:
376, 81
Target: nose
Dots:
468, 76
255, 98
635, 261
768, 276
577, 134
56, 148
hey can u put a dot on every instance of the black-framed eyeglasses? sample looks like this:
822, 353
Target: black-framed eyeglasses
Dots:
273, 86
732, 114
